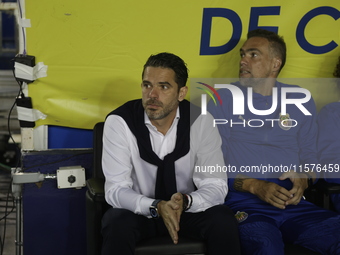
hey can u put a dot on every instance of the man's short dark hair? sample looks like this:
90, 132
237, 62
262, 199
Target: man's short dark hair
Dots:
276, 42
171, 61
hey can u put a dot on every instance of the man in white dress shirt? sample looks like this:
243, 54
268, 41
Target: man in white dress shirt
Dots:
150, 149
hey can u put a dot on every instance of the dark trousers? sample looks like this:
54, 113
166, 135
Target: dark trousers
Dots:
217, 226
268, 228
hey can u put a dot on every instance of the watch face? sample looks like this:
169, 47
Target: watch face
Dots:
153, 212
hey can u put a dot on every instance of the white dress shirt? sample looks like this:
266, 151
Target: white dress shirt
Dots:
130, 181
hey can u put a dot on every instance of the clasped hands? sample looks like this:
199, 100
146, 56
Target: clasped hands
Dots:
171, 212
279, 196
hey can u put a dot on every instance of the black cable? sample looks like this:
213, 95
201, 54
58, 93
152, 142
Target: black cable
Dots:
9, 126
21, 94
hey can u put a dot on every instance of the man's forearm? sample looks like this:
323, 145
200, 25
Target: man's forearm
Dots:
239, 183
244, 183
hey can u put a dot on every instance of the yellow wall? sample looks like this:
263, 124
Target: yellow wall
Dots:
95, 50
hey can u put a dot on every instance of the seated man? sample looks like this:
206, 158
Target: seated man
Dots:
267, 151
150, 147
329, 141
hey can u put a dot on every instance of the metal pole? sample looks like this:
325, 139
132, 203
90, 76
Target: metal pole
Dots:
18, 242
20, 178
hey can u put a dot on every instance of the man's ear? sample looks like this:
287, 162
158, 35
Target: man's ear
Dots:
277, 64
182, 93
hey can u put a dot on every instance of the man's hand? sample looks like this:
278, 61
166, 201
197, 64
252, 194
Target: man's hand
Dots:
272, 193
269, 192
171, 212
300, 183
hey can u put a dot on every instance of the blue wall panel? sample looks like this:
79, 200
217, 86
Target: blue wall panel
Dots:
54, 220
65, 137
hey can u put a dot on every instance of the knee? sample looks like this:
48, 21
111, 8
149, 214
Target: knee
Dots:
260, 238
119, 231
116, 220
222, 217
222, 212
323, 237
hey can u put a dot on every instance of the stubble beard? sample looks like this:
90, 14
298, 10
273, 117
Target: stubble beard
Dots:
158, 114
